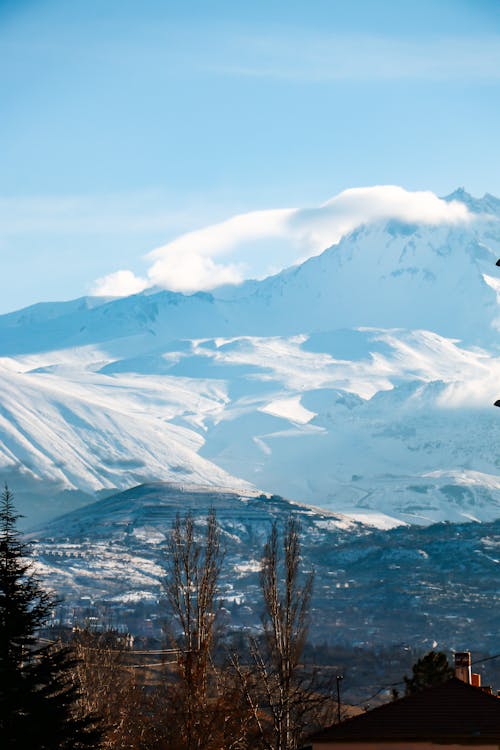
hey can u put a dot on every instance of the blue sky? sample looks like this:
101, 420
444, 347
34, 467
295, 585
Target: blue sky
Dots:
126, 124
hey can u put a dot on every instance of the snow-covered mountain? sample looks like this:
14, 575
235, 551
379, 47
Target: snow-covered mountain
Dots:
361, 380
108, 559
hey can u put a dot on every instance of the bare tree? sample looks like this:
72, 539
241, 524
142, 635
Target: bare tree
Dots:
191, 589
109, 687
280, 693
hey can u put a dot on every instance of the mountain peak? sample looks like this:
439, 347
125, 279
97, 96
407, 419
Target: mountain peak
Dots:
487, 204
461, 194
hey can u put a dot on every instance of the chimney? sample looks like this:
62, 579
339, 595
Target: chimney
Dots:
476, 680
463, 666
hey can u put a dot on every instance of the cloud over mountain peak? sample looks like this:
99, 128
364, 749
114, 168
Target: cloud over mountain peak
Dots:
259, 243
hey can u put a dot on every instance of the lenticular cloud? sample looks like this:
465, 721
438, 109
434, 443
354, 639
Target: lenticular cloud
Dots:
258, 243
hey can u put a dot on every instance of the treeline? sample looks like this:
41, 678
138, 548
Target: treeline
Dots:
207, 694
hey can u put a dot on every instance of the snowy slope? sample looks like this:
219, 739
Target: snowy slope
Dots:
368, 433
361, 380
393, 275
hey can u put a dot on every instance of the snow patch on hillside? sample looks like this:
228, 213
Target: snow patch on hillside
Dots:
289, 408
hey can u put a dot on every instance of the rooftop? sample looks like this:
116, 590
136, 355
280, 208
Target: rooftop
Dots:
452, 711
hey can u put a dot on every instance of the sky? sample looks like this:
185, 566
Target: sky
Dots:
190, 143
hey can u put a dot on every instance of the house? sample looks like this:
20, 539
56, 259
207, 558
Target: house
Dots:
454, 713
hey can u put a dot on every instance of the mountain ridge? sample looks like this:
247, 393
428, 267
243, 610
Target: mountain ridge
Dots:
109, 557
347, 381
214, 313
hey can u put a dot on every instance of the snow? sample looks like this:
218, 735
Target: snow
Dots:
132, 597
468, 478
309, 416
289, 408
361, 380
376, 520
252, 566
149, 533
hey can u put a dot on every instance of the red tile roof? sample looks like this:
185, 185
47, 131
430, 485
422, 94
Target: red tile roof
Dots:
452, 711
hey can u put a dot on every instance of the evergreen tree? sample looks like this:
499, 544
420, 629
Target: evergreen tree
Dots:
38, 695
431, 669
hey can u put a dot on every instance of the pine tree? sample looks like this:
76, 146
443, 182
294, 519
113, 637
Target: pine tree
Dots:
432, 669
38, 695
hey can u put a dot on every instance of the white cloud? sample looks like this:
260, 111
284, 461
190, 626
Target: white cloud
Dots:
191, 271
118, 284
187, 263
326, 225
258, 243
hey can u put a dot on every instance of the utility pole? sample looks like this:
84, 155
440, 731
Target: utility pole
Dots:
339, 678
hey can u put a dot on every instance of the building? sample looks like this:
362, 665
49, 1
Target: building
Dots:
454, 714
